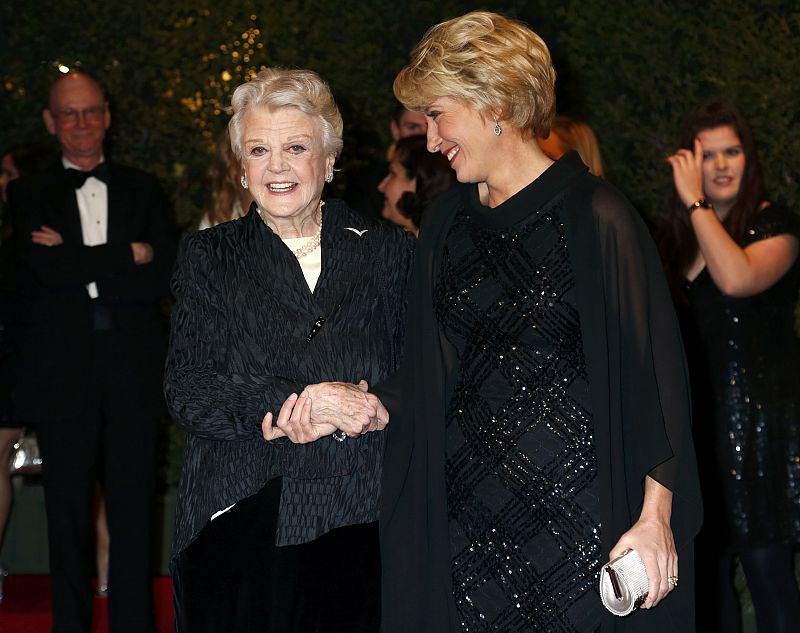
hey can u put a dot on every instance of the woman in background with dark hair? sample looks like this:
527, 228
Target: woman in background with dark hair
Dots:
731, 258
416, 178
16, 161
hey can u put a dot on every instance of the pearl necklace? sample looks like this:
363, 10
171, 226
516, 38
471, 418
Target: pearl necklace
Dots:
313, 242
309, 247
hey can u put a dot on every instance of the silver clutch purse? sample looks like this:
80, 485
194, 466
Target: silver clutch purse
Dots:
623, 583
25, 458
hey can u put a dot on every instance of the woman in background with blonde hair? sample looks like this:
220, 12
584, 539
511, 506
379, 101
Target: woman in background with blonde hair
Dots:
540, 419
567, 134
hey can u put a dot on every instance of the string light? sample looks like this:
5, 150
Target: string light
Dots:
228, 64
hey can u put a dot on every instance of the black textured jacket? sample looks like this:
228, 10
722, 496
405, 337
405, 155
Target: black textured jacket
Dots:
241, 343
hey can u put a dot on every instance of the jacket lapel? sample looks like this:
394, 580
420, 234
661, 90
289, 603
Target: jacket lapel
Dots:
120, 202
346, 260
67, 220
346, 256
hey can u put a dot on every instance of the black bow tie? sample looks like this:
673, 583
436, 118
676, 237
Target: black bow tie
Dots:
78, 177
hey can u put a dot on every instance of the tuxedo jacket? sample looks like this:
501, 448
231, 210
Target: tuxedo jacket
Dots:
53, 322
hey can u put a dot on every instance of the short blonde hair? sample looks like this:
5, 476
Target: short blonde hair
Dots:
577, 135
488, 61
275, 88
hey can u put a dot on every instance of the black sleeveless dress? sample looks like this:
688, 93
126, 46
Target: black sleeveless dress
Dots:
521, 471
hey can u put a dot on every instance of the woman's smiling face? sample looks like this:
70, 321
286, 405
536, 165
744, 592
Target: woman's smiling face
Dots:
724, 163
285, 162
463, 136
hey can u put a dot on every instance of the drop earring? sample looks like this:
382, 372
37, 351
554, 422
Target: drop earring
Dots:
497, 129
243, 180
329, 177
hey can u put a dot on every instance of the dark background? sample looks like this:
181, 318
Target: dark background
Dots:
631, 68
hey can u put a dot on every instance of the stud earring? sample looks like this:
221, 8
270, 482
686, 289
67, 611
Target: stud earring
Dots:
243, 180
497, 129
329, 177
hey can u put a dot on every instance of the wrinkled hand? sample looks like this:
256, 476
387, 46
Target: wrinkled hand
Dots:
652, 539
142, 253
46, 236
322, 409
294, 422
350, 408
687, 173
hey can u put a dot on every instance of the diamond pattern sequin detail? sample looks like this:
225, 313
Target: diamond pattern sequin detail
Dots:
521, 464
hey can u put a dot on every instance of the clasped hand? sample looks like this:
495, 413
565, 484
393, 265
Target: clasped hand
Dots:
323, 408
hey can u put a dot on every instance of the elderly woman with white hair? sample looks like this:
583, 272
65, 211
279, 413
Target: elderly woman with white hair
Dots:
283, 319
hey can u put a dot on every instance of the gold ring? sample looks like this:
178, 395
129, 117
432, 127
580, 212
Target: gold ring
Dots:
672, 580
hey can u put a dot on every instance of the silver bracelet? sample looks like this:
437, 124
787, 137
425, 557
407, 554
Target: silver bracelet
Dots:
339, 435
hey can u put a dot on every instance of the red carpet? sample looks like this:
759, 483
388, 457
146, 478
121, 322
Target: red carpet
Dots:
27, 606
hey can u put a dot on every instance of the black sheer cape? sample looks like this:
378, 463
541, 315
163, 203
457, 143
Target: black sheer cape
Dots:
640, 402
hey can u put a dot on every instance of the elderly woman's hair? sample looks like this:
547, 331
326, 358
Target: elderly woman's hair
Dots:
431, 171
488, 61
275, 88
577, 135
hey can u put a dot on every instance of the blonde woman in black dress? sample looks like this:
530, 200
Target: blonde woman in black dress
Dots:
540, 421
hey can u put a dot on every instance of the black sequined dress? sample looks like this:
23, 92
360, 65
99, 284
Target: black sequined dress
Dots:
746, 375
521, 469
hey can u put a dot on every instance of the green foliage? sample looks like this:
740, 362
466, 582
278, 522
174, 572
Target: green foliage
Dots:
642, 66
631, 68
169, 67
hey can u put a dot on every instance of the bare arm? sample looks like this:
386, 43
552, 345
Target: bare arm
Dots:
651, 537
736, 271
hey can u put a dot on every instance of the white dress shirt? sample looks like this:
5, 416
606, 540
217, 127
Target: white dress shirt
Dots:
93, 208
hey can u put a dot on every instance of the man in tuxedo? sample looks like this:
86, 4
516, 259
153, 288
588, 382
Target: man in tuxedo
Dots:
94, 252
